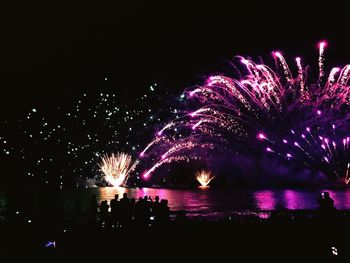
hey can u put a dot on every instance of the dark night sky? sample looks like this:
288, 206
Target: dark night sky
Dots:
49, 50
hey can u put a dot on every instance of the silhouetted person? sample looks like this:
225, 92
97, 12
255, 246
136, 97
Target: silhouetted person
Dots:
155, 208
125, 210
327, 212
132, 207
93, 205
104, 211
146, 209
138, 210
164, 212
326, 203
115, 209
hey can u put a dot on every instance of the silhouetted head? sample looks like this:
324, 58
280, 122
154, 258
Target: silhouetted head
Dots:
326, 194
125, 195
116, 196
156, 198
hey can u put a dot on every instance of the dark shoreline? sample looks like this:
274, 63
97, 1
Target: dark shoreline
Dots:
282, 234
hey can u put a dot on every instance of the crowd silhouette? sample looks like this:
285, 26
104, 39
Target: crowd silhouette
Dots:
326, 203
104, 225
124, 211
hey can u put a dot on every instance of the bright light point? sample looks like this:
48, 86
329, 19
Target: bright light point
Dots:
334, 144
211, 81
142, 154
296, 143
204, 177
163, 156
244, 61
326, 140
277, 54
333, 126
159, 133
34, 110
303, 136
193, 114
308, 129
261, 136
268, 149
145, 175
292, 131
323, 146
297, 59
322, 44
326, 159
344, 141
319, 112
289, 155
285, 141
321, 138
106, 78
191, 93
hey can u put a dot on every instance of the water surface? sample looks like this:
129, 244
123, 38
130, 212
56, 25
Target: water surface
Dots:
211, 202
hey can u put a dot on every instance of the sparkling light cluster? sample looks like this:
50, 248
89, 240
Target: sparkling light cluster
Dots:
61, 145
204, 177
117, 167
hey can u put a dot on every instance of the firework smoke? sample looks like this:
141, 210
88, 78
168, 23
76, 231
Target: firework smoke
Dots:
204, 177
116, 168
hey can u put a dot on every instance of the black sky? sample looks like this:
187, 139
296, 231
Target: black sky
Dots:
49, 51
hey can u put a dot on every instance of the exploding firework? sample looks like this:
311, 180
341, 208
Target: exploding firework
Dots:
295, 121
116, 168
204, 177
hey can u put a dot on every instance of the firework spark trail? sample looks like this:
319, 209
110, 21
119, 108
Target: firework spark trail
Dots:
344, 76
116, 168
238, 109
169, 125
168, 160
303, 91
204, 177
157, 139
322, 46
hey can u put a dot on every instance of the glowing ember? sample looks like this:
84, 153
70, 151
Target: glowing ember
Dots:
117, 167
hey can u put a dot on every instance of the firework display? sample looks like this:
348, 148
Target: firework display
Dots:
117, 167
62, 146
277, 111
204, 177
287, 113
